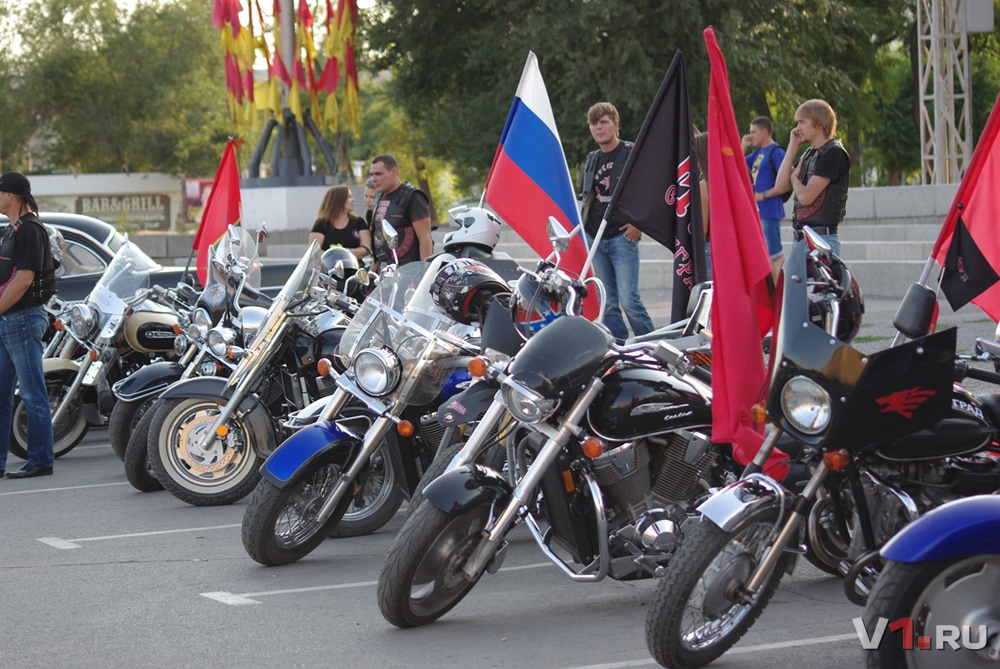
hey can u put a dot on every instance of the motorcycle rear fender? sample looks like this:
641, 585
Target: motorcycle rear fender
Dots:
148, 381
291, 460
962, 528
59, 365
467, 487
739, 500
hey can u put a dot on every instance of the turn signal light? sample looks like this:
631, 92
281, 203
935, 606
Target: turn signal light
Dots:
235, 353
323, 367
404, 428
758, 412
593, 447
222, 430
836, 460
177, 328
58, 324
93, 355
478, 367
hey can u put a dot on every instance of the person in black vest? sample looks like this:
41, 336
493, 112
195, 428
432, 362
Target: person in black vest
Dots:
819, 178
27, 281
616, 261
405, 208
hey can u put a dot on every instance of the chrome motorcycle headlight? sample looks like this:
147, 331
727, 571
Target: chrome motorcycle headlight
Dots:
377, 371
524, 405
82, 320
197, 333
806, 405
180, 345
252, 318
219, 340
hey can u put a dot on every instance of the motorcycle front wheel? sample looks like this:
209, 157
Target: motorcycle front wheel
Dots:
125, 416
66, 434
693, 618
224, 474
960, 591
421, 577
138, 469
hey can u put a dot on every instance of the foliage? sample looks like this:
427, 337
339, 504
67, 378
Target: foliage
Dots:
985, 66
897, 140
111, 91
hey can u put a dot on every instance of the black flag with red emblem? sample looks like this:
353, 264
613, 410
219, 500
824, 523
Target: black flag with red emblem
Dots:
659, 192
967, 272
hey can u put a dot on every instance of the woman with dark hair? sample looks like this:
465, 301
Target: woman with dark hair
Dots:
338, 225
701, 156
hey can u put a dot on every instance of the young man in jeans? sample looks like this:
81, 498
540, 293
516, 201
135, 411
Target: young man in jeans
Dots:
27, 280
763, 163
616, 261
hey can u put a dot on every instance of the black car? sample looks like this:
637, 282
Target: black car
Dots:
89, 245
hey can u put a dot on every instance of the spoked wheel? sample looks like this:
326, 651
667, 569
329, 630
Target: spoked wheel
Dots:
125, 416
281, 526
694, 617
221, 474
955, 592
66, 434
378, 500
422, 577
138, 469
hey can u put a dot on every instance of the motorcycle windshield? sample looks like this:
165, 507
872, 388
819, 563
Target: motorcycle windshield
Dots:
420, 335
236, 249
127, 274
303, 277
561, 358
873, 398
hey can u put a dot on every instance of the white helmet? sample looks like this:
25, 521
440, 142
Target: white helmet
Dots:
477, 226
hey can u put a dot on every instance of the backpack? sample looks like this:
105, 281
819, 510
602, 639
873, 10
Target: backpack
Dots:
788, 193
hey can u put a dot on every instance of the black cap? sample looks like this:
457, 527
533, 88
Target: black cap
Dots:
18, 184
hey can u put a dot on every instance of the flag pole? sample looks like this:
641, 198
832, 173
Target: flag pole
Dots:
593, 247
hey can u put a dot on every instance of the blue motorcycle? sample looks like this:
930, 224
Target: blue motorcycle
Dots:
937, 602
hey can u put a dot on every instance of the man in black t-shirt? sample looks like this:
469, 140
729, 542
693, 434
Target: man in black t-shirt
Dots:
616, 261
27, 280
405, 208
820, 177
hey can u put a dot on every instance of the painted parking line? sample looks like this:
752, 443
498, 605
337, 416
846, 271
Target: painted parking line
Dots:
56, 542
248, 598
71, 487
795, 643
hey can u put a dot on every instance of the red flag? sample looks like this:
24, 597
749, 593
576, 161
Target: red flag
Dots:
742, 312
970, 253
224, 208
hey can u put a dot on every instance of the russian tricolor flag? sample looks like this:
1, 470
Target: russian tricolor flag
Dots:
529, 180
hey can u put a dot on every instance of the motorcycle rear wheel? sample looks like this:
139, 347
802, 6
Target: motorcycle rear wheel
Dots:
66, 435
942, 592
125, 416
138, 469
691, 621
421, 577
227, 475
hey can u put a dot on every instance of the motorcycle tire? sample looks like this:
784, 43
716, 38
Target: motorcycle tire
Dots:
940, 592
226, 475
495, 457
277, 526
380, 498
420, 579
66, 435
125, 416
701, 549
138, 469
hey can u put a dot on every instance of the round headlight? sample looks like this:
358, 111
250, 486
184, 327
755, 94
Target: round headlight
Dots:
82, 320
197, 332
806, 405
524, 405
252, 318
219, 340
180, 345
377, 371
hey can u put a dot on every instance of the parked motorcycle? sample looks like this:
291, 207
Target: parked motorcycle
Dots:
866, 424
941, 570
117, 329
209, 435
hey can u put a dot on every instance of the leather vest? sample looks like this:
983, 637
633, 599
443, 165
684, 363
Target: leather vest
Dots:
587, 190
827, 210
43, 286
398, 216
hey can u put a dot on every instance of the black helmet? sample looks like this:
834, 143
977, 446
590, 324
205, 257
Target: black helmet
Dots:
463, 289
335, 253
852, 302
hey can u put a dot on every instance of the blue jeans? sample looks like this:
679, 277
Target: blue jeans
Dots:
772, 235
21, 365
616, 263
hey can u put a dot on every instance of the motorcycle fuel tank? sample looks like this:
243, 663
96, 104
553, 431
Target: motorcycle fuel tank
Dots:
151, 331
641, 402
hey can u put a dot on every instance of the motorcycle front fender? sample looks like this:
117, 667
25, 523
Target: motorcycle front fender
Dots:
148, 381
962, 528
291, 460
467, 487
59, 365
214, 387
729, 506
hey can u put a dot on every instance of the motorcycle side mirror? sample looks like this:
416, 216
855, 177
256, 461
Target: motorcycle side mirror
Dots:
815, 242
338, 270
558, 235
234, 236
390, 235
262, 233
362, 277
